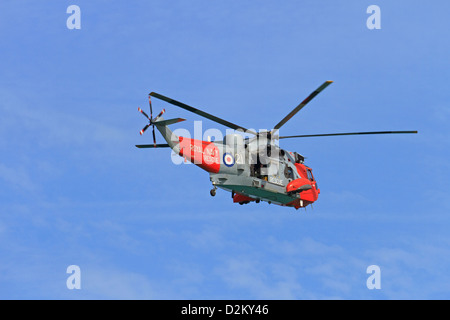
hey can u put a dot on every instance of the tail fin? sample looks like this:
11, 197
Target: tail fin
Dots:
167, 122
152, 146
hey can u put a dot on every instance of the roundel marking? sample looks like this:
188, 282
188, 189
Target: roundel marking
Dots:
228, 159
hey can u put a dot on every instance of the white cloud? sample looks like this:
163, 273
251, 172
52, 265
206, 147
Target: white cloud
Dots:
17, 178
108, 283
250, 274
29, 124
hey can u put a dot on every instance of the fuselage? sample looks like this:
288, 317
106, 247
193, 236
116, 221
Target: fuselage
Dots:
250, 170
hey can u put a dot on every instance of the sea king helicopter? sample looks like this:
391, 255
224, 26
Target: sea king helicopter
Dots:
252, 168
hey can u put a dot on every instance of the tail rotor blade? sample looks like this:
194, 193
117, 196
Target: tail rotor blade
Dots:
150, 103
160, 114
145, 128
154, 137
141, 111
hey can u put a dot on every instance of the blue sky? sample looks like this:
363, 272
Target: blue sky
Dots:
75, 190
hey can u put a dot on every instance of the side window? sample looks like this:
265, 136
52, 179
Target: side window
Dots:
288, 173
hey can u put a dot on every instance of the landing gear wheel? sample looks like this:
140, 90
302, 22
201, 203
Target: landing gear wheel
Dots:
212, 192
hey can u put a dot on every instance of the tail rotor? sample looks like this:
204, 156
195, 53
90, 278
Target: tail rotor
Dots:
151, 121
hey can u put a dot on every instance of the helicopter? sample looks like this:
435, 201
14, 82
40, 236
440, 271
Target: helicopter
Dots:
252, 168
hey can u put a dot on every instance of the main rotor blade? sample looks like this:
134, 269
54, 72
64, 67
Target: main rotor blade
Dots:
344, 134
302, 104
201, 113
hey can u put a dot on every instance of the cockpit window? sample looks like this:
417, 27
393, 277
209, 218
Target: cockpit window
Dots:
299, 158
310, 176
